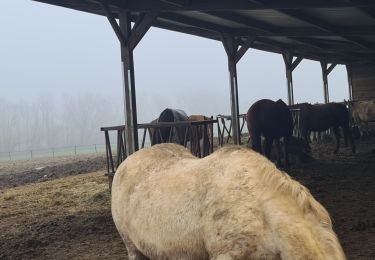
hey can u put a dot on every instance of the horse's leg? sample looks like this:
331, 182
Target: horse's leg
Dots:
256, 141
267, 151
337, 135
348, 134
315, 139
365, 130
133, 252
305, 135
278, 148
286, 151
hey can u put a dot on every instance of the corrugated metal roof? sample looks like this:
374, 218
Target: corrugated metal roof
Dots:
338, 31
343, 16
274, 17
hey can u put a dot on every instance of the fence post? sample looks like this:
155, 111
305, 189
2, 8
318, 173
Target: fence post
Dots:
95, 149
53, 153
31, 153
75, 150
10, 158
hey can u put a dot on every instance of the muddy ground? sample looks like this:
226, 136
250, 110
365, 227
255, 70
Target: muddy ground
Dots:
15, 173
68, 217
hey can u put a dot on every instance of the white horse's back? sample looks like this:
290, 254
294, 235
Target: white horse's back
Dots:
233, 204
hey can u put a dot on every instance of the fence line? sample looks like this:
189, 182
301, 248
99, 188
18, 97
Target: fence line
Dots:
52, 152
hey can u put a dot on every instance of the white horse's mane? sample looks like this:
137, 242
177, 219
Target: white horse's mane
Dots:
281, 182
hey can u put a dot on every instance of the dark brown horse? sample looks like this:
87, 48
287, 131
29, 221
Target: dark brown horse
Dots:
324, 116
272, 120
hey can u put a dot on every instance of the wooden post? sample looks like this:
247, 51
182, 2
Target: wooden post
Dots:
130, 107
129, 38
325, 73
234, 55
323, 64
350, 81
290, 65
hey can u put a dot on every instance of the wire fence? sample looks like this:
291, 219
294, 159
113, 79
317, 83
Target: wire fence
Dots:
52, 152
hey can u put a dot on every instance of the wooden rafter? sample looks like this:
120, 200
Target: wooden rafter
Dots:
324, 27
217, 5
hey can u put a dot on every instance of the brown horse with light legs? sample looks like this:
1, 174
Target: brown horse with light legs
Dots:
200, 135
273, 120
154, 133
323, 117
233, 204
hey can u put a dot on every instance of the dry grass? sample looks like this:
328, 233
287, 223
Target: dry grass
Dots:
66, 218
70, 218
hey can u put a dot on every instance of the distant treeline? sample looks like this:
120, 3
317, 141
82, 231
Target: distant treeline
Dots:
47, 123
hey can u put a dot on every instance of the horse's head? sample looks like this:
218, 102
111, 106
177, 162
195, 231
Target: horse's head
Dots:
281, 102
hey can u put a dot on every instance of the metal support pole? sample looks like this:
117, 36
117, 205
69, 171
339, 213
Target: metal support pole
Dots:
231, 47
129, 38
290, 65
324, 64
350, 81
288, 60
289, 82
234, 55
130, 106
325, 72
234, 100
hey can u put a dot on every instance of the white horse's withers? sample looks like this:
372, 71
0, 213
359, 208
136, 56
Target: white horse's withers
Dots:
233, 204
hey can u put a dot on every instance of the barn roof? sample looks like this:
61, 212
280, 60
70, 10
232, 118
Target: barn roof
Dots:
337, 31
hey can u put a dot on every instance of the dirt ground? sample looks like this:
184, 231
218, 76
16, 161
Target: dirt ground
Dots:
68, 217
15, 173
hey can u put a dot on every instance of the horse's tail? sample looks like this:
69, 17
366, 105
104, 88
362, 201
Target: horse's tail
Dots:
254, 132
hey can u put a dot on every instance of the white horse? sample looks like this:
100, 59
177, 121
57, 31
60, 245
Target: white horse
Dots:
233, 204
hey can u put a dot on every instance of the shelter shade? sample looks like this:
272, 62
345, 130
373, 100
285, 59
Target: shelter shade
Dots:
338, 31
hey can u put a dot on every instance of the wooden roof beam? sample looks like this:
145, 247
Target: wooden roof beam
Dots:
262, 29
141, 26
324, 27
212, 34
315, 22
216, 5
368, 11
266, 29
189, 22
303, 51
229, 31
162, 24
258, 27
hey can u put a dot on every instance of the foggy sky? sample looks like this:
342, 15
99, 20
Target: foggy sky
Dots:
52, 51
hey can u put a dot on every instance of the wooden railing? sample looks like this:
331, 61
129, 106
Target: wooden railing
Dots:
198, 136
296, 113
223, 129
